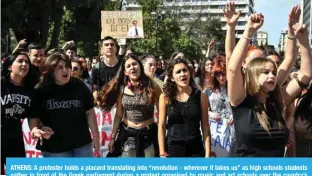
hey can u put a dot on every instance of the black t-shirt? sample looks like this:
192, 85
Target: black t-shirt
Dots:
251, 139
102, 74
35, 74
15, 105
63, 109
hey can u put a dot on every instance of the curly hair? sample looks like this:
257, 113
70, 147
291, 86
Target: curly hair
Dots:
108, 96
170, 87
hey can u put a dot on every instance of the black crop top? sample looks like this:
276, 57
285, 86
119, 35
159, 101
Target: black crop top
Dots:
184, 118
251, 139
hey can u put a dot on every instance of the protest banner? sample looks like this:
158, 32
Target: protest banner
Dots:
122, 24
105, 121
30, 144
222, 135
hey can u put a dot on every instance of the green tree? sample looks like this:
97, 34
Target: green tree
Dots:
205, 31
52, 22
189, 47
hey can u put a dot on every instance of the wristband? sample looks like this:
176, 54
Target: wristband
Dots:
246, 38
301, 85
291, 38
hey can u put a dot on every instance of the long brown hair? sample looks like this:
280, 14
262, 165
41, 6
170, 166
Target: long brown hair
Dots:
253, 87
108, 96
203, 71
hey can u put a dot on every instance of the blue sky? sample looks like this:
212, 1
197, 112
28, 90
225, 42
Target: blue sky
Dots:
275, 16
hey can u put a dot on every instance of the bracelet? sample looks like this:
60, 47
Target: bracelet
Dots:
290, 38
114, 136
246, 38
301, 85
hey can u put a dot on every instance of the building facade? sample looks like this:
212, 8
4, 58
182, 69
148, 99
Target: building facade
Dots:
306, 13
283, 40
262, 38
204, 9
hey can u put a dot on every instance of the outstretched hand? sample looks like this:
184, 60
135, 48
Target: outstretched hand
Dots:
230, 14
211, 43
44, 132
294, 16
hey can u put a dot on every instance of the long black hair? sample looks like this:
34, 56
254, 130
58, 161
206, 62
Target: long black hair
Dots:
29, 80
109, 94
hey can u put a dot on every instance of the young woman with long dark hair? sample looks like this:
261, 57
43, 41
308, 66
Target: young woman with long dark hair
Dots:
17, 89
134, 131
185, 108
205, 67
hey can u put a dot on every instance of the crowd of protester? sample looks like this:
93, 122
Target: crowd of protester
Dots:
265, 99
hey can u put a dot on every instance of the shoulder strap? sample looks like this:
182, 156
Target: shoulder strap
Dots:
99, 66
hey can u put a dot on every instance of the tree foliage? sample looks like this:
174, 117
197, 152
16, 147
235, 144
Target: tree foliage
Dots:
53, 22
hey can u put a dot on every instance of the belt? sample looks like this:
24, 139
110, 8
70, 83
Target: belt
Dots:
138, 134
148, 127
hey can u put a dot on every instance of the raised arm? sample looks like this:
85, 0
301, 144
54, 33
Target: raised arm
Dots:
68, 44
231, 20
291, 48
294, 87
236, 89
19, 46
210, 46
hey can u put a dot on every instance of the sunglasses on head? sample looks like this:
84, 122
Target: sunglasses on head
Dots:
75, 68
109, 44
219, 73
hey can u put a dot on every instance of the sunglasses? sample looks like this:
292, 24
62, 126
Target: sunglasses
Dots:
219, 73
75, 68
109, 44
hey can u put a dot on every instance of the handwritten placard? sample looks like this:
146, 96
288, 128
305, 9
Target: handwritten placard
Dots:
122, 24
